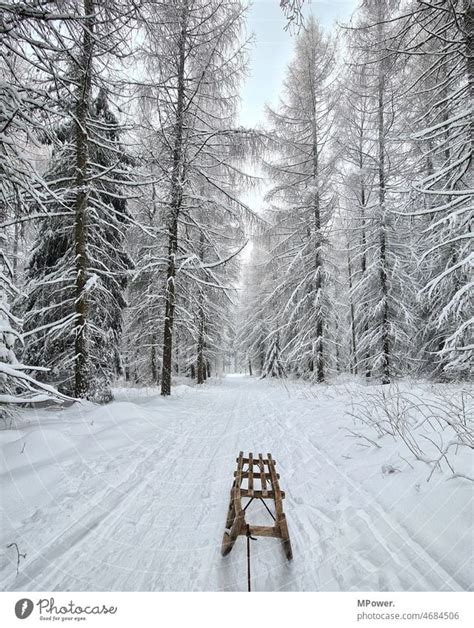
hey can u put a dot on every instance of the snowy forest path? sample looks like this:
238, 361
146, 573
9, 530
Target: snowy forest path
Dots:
142, 502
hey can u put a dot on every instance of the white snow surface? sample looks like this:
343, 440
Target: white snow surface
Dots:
133, 496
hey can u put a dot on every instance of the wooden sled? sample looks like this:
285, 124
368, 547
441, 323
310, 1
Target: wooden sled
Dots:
268, 488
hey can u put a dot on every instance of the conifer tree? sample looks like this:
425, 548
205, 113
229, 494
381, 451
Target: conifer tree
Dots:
195, 58
302, 200
51, 316
375, 157
437, 40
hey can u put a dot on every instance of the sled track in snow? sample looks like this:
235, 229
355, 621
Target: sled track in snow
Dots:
410, 548
104, 511
158, 523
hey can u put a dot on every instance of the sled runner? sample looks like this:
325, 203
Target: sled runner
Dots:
255, 478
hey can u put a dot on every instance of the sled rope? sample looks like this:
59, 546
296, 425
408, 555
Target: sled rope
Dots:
249, 538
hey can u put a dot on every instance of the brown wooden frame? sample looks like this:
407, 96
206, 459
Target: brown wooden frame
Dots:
269, 488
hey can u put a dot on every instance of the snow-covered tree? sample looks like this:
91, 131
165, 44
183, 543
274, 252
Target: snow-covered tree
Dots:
194, 59
51, 316
302, 198
436, 38
375, 158
17, 384
272, 366
253, 319
74, 63
118, 141
28, 34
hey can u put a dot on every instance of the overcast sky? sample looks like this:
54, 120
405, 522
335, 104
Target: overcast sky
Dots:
273, 50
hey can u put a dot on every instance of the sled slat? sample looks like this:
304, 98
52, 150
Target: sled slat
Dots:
267, 476
256, 461
276, 487
237, 484
261, 531
250, 478
263, 476
244, 492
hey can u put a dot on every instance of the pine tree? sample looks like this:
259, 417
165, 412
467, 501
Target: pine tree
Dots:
194, 59
436, 38
375, 154
21, 106
303, 200
17, 385
51, 316
273, 366
254, 312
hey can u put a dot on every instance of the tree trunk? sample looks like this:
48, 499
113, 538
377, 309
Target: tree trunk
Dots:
469, 56
383, 216
319, 357
363, 262
177, 360
153, 361
352, 315
175, 206
200, 364
84, 91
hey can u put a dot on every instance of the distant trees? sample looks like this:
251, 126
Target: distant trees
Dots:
194, 58
393, 226
273, 366
374, 158
253, 317
415, 57
301, 169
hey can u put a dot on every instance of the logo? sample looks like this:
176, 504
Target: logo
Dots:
49, 610
23, 608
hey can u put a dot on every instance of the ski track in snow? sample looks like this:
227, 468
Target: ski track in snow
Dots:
141, 504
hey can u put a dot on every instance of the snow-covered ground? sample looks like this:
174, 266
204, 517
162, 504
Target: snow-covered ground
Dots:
133, 495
